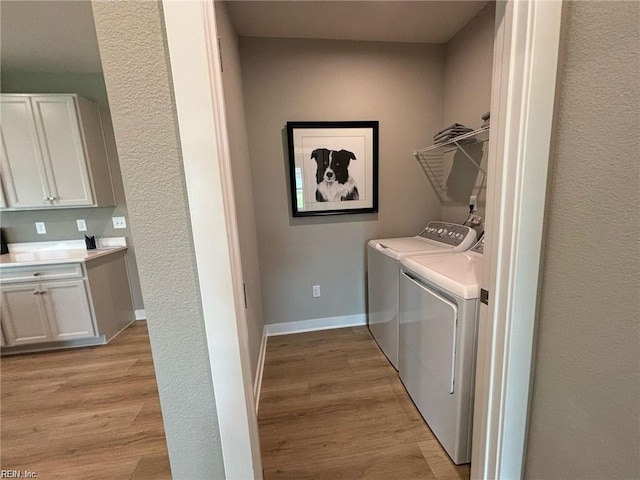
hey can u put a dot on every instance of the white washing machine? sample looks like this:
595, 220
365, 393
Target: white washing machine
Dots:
438, 318
383, 260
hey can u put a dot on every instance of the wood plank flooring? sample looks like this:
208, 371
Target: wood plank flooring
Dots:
90, 413
332, 407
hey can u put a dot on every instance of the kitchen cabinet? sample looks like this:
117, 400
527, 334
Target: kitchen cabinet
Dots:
23, 315
52, 153
49, 311
66, 303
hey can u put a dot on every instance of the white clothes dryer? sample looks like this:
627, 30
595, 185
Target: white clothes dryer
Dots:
383, 260
438, 318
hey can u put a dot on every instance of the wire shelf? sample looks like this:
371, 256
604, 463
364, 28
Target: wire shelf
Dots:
457, 168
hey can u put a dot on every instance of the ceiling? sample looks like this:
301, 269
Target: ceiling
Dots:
55, 36
416, 21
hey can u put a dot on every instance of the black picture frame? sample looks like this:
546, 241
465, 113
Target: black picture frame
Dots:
350, 184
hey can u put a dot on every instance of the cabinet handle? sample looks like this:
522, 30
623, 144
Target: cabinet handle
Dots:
36, 274
49, 198
39, 292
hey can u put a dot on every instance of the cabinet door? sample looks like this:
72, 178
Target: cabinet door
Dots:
68, 311
63, 149
23, 315
23, 174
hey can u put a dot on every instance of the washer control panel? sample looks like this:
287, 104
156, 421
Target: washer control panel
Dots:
449, 233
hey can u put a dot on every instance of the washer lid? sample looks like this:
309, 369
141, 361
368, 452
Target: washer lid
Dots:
457, 273
398, 248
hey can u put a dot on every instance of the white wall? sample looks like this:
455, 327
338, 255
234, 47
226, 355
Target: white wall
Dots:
133, 46
241, 171
400, 85
585, 415
468, 69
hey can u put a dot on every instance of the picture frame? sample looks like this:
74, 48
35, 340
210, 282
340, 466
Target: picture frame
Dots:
333, 167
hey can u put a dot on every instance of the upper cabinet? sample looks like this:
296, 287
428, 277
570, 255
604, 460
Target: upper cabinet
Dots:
52, 153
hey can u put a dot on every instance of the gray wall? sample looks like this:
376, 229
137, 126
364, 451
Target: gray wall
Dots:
468, 68
241, 172
585, 407
290, 79
61, 224
137, 74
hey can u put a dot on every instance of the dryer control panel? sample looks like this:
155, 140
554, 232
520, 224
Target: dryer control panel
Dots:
449, 233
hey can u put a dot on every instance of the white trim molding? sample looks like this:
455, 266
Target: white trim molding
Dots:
197, 81
257, 384
141, 314
522, 105
301, 326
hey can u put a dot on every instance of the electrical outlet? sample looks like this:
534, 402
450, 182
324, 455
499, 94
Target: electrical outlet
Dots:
473, 200
82, 225
41, 229
119, 222
316, 291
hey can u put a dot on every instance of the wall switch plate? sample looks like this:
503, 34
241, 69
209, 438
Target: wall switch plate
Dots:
82, 225
119, 222
41, 228
316, 291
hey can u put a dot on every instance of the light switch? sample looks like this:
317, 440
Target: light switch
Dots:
119, 222
316, 291
41, 228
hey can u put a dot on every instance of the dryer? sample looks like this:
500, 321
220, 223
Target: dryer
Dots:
383, 260
438, 318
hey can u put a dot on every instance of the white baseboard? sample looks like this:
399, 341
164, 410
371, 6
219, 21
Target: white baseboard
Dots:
257, 385
316, 324
141, 314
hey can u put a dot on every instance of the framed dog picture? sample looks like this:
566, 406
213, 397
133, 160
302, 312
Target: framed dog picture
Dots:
333, 167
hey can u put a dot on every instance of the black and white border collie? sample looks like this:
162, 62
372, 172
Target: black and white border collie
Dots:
333, 179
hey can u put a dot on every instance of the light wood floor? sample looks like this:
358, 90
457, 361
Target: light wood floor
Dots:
332, 407
90, 413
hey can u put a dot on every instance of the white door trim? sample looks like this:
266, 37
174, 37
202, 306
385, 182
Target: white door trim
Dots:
195, 67
521, 118
524, 83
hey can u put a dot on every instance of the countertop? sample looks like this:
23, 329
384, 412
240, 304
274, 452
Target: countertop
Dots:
52, 257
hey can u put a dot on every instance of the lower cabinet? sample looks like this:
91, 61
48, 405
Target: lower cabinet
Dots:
73, 304
24, 318
47, 311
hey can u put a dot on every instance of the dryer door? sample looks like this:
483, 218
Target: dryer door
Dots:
428, 328
427, 356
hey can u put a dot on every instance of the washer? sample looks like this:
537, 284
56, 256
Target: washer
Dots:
383, 259
438, 316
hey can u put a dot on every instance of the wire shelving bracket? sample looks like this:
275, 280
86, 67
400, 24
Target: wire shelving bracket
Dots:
437, 162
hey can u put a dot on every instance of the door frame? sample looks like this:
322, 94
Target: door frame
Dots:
192, 42
523, 93
526, 51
